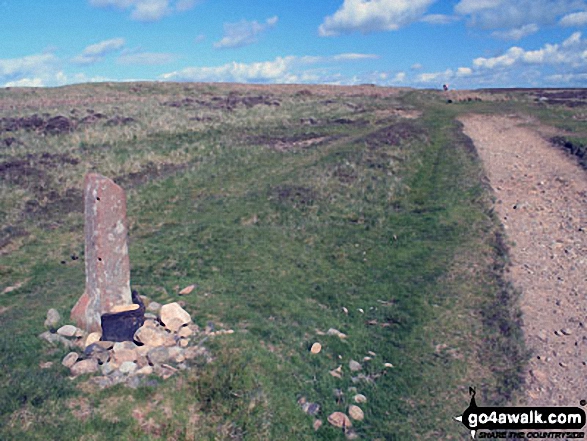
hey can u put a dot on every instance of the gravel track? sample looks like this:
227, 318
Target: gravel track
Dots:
541, 199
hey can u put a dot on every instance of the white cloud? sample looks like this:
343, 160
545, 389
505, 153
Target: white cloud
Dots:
417, 66
439, 19
268, 71
354, 57
147, 10
516, 33
399, 77
514, 17
570, 78
464, 72
373, 15
31, 71
435, 77
243, 33
26, 82
146, 58
289, 69
575, 19
472, 6
96, 52
32, 64
199, 39
570, 52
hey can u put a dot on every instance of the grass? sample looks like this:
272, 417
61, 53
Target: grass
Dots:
283, 225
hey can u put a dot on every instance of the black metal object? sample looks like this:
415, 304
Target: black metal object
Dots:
121, 326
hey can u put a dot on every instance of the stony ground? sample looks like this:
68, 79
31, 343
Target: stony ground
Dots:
541, 199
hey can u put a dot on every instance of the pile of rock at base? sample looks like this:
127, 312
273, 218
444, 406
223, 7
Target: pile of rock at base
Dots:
167, 342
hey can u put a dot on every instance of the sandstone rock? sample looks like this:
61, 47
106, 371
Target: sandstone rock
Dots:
70, 359
82, 367
107, 368
183, 343
336, 333
142, 360
355, 366
55, 339
105, 344
388, 365
124, 345
356, 413
93, 337
102, 382
176, 354
154, 337
174, 324
159, 355
150, 317
145, 370
174, 315
165, 371
317, 424
133, 381
53, 319
184, 332
106, 252
340, 420
359, 398
128, 367
337, 372
122, 356
67, 331
187, 290
316, 348
124, 308
154, 307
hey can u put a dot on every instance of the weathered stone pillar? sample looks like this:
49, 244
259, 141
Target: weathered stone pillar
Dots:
106, 253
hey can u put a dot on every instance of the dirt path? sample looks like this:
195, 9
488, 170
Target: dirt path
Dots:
541, 199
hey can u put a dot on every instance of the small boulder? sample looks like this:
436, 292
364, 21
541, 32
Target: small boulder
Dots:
174, 315
150, 336
356, 413
359, 398
184, 332
145, 370
122, 356
187, 290
340, 420
82, 367
70, 359
67, 331
55, 339
154, 307
355, 366
53, 319
128, 367
159, 355
93, 338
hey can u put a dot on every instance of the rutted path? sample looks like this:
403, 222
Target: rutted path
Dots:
541, 199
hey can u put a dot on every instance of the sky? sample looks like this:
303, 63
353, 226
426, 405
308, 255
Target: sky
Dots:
415, 43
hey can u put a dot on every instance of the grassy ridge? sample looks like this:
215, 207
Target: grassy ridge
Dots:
384, 216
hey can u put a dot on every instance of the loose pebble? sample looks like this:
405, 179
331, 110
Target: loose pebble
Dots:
316, 348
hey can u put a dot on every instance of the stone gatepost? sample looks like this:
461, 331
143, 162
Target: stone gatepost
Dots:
106, 253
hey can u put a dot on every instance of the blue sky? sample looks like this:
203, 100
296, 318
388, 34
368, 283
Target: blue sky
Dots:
417, 43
